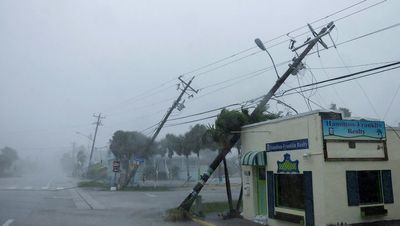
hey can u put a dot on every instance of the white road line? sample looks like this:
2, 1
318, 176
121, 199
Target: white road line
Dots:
8, 222
150, 195
45, 188
11, 188
27, 188
59, 188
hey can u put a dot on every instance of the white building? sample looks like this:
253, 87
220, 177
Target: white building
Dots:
317, 169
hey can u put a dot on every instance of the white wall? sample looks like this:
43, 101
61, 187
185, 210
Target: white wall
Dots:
329, 178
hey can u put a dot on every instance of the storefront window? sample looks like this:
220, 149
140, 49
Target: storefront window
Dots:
289, 191
369, 187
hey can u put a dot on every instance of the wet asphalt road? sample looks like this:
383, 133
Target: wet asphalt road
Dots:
51, 199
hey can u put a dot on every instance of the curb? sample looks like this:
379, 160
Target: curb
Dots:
202, 222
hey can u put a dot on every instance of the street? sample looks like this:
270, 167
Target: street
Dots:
51, 199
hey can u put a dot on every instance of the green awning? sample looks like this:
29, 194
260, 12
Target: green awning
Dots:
254, 158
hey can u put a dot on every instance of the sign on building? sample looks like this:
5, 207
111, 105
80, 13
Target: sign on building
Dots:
288, 145
353, 130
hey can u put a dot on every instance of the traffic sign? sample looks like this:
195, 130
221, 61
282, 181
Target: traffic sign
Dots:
116, 165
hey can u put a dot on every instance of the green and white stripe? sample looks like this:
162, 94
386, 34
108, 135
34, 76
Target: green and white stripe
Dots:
254, 158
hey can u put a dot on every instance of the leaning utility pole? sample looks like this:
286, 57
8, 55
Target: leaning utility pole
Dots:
293, 69
176, 104
98, 123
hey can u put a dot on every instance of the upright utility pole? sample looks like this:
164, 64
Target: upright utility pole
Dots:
98, 123
293, 68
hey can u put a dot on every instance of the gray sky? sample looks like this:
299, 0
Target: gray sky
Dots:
62, 61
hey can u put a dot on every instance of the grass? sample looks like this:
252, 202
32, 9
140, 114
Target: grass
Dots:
93, 184
153, 189
216, 207
177, 214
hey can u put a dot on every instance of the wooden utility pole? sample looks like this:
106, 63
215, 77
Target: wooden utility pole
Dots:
293, 68
164, 120
174, 105
98, 123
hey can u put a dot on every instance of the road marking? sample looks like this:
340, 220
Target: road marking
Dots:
150, 195
27, 188
201, 222
59, 188
45, 188
8, 222
11, 187
48, 184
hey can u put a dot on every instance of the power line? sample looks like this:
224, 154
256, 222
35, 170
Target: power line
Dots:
187, 122
308, 85
282, 63
350, 66
340, 77
144, 93
204, 112
360, 36
391, 102
359, 85
285, 93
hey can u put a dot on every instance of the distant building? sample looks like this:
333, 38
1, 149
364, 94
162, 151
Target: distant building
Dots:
318, 169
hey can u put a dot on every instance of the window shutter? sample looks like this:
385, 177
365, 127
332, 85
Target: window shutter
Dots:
387, 186
308, 198
271, 194
352, 188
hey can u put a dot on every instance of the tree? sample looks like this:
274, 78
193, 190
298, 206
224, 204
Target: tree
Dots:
345, 111
7, 157
179, 144
126, 145
67, 162
230, 122
194, 140
80, 160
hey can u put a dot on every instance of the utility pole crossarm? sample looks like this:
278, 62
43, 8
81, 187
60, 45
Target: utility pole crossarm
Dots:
293, 68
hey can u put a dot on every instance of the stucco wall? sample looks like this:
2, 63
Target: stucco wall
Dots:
329, 178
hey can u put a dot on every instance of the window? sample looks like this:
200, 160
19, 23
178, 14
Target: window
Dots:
289, 191
369, 187
352, 144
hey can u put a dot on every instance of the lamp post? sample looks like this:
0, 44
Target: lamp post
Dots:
260, 45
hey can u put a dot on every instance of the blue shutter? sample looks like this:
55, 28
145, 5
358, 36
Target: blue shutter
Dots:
387, 186
352, 188
271, 194
308, 198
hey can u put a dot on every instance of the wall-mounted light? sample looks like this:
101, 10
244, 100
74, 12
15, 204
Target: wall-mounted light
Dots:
309, 154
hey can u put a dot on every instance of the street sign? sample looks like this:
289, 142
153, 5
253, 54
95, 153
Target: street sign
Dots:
116, 164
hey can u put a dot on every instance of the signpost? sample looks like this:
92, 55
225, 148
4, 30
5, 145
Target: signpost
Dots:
116, 168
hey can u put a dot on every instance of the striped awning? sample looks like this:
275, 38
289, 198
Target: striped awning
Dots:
254, 158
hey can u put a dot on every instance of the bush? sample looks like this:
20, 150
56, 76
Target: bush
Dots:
174, 172
97, 171
149, 172
162, 175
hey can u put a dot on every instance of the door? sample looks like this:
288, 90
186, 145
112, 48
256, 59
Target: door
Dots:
261, 192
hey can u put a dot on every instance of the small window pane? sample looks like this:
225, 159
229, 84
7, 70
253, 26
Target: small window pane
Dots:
290, 190
369, 186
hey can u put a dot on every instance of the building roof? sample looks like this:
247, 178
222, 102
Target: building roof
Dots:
289, 117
